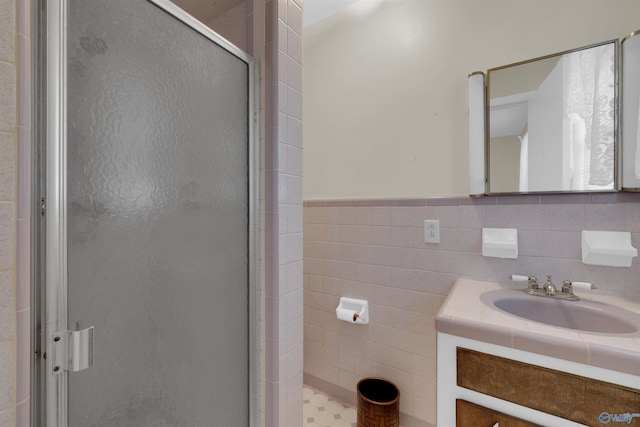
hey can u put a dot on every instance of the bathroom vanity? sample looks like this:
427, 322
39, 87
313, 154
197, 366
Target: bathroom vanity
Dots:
498, 368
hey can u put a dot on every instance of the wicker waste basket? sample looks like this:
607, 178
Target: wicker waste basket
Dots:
378, 403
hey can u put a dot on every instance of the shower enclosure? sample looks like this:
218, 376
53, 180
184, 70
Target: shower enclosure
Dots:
149, 206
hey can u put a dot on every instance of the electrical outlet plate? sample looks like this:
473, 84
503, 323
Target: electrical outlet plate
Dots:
431, 231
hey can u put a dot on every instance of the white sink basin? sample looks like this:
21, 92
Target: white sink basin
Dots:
584, 315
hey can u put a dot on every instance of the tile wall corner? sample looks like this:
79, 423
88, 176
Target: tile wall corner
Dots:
283, 178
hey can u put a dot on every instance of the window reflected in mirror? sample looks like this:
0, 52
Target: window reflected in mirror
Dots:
553, 123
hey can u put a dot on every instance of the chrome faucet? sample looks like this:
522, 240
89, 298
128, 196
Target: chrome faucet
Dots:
549, 288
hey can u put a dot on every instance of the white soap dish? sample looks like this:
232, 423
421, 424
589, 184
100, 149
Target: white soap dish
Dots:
500, 242
612, 248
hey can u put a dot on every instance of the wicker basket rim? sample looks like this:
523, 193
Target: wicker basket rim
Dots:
389, 403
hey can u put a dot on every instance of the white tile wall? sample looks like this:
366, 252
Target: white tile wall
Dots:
283, 170
290, 208
373, 249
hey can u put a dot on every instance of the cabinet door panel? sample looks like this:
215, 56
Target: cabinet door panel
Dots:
472, 415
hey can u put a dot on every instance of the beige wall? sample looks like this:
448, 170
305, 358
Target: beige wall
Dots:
386, 84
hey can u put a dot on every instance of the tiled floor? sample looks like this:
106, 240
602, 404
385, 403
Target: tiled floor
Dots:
321, 410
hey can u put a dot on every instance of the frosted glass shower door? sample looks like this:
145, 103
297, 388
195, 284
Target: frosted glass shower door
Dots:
151, 190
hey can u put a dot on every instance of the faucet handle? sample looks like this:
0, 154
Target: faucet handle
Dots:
533, 282
567, 287
584, 286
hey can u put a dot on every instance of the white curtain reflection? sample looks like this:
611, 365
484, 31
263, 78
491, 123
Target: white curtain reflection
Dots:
579, 152
590, 104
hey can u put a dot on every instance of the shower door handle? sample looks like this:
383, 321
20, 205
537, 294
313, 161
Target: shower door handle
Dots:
72, 351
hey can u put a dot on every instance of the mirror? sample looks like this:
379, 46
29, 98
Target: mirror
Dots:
553, 123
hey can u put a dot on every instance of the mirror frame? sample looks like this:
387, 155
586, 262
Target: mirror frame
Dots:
617, 128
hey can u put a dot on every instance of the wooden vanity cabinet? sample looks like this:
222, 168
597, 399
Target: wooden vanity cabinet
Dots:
480, 382
568, 396
471, 415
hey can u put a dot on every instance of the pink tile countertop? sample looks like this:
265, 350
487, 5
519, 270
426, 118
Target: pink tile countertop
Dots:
463, 314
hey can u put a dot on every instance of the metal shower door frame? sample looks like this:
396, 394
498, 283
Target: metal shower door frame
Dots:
54, 319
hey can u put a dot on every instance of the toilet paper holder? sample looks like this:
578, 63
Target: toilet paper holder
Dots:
353, 310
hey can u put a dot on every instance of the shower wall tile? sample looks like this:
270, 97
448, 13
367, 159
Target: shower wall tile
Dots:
282, 10
294, 17
24, 172
282, 33
23, 216
294, 50
7, 30
294, 74
7, 418
294, 130
24, 80
8, 91
294, 101
7, 309
283, 100
7, 237
373, 249
23, 266
12, 19
23, 354
7, 165
7, 377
